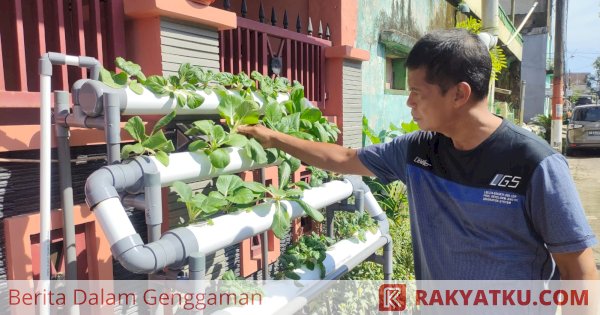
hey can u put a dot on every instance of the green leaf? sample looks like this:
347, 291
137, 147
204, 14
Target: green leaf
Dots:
242, 196
130, 68
311, 114
194, 100
162, 157
273, 112
121, 79
255, 187
219, 158
183, 190
181, 100
157, 84
292, 121
219, 134
320, 132
302, 184
229, 275
302, 135
236, 140
197, 145
296, 96
205, 126
294, 163
136, 129
136, 87
312, 212
164, 121
226, 184
284, 174
310, 265
248, 113
255, 151
155, 141
272, 155
292, 275
127, 149
281, 223
167, 147
228, 106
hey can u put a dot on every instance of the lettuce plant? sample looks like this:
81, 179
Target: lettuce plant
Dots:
155, 143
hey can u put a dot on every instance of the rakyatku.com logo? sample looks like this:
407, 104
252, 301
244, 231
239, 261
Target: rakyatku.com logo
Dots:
392, 297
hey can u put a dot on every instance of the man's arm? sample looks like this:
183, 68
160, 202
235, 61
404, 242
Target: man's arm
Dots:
328, 156
577, 265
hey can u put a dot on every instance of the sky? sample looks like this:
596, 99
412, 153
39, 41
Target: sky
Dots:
583, 35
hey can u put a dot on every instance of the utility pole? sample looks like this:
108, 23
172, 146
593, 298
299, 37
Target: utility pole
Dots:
557, 82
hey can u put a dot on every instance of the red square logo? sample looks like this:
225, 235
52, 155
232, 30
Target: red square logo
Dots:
392, 297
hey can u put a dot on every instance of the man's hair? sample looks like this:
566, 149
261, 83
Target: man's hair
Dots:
453, 56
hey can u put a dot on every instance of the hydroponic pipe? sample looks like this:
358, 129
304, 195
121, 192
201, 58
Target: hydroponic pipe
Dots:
45, 69
92, 92
288, 299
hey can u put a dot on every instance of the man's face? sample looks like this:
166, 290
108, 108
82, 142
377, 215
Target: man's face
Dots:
429, 108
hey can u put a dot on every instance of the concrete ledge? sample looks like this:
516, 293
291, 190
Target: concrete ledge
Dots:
181, 10
347, 52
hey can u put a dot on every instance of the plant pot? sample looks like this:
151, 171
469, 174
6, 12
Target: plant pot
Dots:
205, 2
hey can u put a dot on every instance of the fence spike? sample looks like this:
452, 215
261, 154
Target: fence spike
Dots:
285, 20
298, 24
244, 8
261, 13
227, 4
273, 17
320, 29
310, 27
327, 33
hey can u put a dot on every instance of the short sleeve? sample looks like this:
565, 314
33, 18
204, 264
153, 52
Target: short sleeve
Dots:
555, 208
388, 160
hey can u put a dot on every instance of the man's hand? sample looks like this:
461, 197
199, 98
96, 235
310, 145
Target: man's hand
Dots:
577, 265
261, 133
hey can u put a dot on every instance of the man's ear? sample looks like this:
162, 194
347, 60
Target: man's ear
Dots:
462, 93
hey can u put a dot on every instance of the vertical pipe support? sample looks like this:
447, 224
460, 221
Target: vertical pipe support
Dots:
61, 109
153, 200
45, 69
264, 246
388, 259
112, 120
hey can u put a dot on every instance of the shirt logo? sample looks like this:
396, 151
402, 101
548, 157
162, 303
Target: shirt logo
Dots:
501, 180
422, 161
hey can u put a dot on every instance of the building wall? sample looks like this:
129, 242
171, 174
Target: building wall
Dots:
533, 72
352, 101
409, 19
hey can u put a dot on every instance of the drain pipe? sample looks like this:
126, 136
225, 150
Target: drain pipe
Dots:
61, 106
112, 119
45, 70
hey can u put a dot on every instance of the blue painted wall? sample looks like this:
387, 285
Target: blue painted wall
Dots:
409, 18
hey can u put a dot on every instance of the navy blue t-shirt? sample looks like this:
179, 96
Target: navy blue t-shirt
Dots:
494, 212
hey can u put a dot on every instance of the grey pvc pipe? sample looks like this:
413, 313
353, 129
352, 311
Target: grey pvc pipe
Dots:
265, 255
197, 265
112, 120
61, 105
388, 264
153, 201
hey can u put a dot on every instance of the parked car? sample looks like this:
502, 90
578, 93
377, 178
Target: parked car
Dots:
583, 131
583, 100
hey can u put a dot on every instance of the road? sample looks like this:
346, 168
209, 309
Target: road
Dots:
585, 168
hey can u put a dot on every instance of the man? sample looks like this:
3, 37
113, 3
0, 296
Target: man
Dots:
488, 200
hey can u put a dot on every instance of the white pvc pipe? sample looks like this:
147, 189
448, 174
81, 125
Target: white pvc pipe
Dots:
371, 204
114, 220
72, 60
278, 294
150, 104
45, 169
246, 224
186, 166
